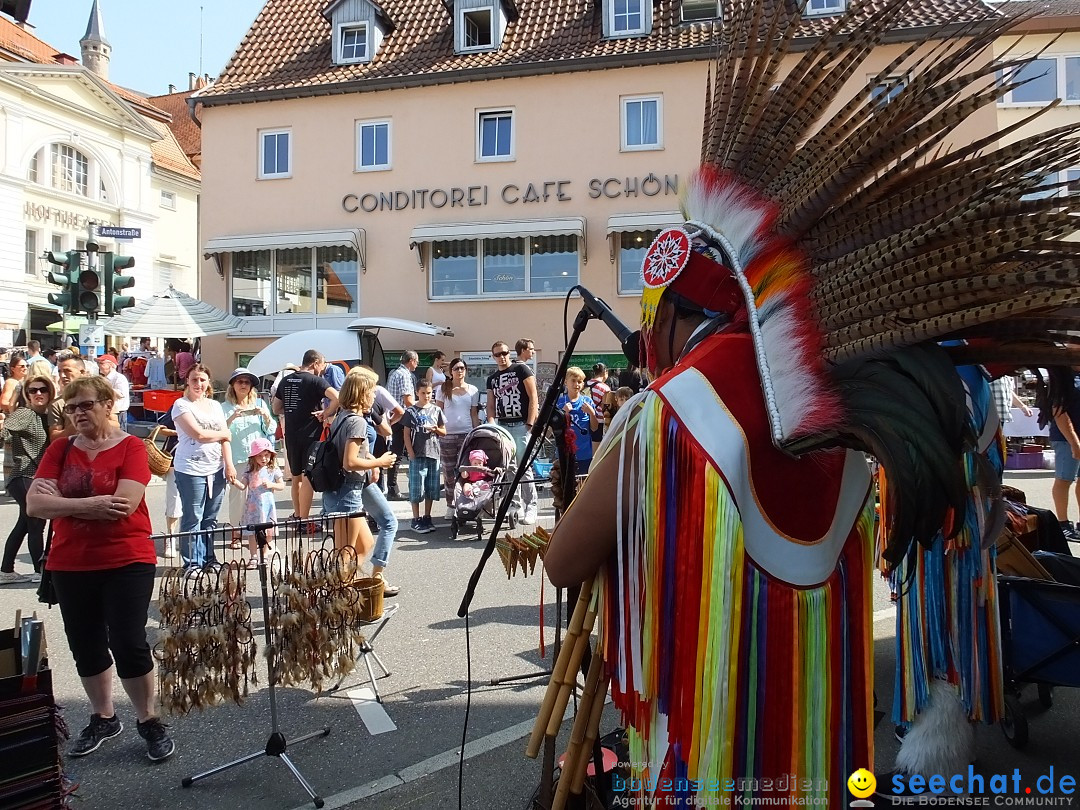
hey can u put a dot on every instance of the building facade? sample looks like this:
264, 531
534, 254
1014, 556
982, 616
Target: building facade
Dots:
464, 163
77, 149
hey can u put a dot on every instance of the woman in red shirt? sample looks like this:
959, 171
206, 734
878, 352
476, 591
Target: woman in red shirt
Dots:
102, 560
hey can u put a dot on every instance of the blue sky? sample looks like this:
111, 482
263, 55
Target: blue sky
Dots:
155, 43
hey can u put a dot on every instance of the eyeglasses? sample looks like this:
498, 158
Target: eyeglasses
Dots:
37, 390
19, 365
499, 354
458, 368
85, 406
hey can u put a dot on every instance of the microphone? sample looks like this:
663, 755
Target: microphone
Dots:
598, 308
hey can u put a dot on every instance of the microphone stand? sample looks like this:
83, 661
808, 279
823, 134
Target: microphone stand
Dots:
586, 314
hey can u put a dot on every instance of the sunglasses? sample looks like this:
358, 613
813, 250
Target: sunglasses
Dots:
499, 354
458, 368
85, 406
37, 390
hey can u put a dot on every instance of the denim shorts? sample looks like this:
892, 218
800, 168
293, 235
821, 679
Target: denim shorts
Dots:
1065, 466
347, 499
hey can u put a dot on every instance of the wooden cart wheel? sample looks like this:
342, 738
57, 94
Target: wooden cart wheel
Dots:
1014, 725
1046, 695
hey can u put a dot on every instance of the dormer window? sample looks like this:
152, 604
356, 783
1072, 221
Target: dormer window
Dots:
627, 18
477, 29
697, 10
359, 27
822, 7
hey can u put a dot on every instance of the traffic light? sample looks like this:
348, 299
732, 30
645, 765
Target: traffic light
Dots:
68, 300
112, 264
88, 289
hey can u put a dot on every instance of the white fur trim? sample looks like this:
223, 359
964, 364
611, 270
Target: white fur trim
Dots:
941, 739
741, 216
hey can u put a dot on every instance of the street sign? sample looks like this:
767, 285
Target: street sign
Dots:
91, 335
114, 232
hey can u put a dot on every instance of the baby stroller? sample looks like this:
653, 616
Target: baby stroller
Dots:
479, 487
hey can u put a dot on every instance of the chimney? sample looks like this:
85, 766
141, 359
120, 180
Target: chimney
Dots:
172, 89
191, 82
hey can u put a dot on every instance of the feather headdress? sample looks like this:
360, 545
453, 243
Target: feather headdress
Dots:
862, 230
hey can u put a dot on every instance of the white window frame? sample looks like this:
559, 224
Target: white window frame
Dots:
827, 7
339, 40
715, 4
624, 145
1059, 60
888, 89
69, 160
308, 282
493, 21
481, 116
375, 167
644, 9
168, 200
33, 170
480, 295
622, 291
263, 135
31, 252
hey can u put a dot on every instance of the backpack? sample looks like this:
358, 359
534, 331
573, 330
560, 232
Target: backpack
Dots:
323, 467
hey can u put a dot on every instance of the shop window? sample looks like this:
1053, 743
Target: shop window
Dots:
70, 170
495, 135
695, 10
31, 253
504, 265
354, 43
275, 154
512, 267
632, 248
453, 268
642, 123
293, 281
825, 7
251, 283
337, 279
372, 145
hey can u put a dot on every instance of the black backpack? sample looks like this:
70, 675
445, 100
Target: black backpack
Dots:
323, 467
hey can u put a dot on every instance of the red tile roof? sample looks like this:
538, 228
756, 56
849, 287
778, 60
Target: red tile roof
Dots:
168, 154
1043, 8
287, 51
24, 45
187, 132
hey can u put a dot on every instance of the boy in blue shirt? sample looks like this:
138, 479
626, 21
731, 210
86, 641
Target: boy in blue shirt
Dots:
423, 424
580, 416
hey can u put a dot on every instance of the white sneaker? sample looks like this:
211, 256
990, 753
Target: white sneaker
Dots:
530, 514
11, 577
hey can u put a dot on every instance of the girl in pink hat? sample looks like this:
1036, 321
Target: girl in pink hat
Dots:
260, 481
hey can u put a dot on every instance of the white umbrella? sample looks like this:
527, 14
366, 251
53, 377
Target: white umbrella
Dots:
71, 325
172, 314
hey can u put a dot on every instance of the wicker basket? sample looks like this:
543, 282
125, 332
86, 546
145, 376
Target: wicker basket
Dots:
160, 461
371, 592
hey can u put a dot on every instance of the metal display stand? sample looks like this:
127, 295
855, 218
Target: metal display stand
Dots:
277, 743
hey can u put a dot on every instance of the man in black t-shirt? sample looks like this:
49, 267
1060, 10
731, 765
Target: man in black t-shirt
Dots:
512, 402
299, 399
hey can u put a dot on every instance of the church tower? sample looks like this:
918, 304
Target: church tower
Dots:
96, 49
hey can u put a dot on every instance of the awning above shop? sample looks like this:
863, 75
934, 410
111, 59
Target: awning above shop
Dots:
447, 231
640, 221
352, 237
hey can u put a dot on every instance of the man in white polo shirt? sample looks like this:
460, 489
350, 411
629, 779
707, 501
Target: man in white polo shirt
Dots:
120, 384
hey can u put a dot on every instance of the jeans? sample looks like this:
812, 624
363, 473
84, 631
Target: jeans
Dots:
25, 526
200, 496
525, 496
376, 505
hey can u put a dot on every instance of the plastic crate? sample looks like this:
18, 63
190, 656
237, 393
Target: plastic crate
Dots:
160, 401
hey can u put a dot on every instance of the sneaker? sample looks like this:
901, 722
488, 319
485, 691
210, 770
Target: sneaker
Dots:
91, 737
1069, 530
426, 526
11, 577
530, 514
417, 525
159, 744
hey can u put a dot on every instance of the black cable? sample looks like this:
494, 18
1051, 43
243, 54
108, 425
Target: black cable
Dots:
465, 725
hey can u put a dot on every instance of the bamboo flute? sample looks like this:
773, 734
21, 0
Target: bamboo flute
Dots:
578, 733
591, 736
569, 679
557, 674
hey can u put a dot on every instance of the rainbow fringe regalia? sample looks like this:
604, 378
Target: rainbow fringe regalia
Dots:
736, 614
947, 613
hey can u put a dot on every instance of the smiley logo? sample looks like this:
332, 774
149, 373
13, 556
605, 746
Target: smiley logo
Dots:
861, 783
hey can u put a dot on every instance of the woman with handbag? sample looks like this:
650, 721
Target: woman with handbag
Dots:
28, 433
248, 418
101, 561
